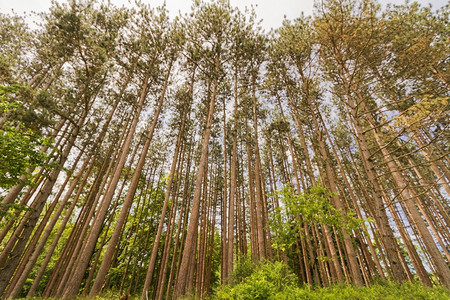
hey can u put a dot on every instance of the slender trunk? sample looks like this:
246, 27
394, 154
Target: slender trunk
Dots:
189, 247
302, 136
379, 211
104, 267
155, 247
28, 262
259, 188
356, 274
73, 284
23, 232
251, 199
233, 183
407, 194
225, 234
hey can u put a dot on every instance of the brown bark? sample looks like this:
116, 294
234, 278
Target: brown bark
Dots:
258, 186
29, 260
233, 183
407, 194
251, 199
74, 242
155, 247
183, 213
378, 209
225, 234
189, 247
10, 256
104, 267
353, 264
73, 284
301, 135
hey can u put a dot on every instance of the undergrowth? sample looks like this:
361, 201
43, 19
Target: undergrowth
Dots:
275, 281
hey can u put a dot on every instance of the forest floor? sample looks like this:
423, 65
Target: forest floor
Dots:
382, 291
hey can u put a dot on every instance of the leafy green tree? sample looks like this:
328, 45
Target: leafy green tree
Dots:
20, 144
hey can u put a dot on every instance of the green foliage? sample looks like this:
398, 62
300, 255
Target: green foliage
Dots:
424, 112
314, 207
243, 269
19, 150
386, 290
19, 144
269, 290
257, 281
7, 211
274, 281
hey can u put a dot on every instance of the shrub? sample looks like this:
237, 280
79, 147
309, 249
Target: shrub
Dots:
258, 281
253, 280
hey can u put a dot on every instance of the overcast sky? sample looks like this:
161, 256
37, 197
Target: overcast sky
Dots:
271, 11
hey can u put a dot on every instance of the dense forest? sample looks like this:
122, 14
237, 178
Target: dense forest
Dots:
154, 156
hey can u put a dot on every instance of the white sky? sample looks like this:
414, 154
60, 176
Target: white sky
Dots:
271, 11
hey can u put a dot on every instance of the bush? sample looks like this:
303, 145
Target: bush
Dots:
269, 280
258, 281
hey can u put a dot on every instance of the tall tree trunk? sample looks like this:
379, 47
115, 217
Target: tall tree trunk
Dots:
104, 267
443, 271
225, 237
379, 210
356, 274
257, 173
155, 247
73, 284
23, 232
189, 247
233, 189
29, 260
